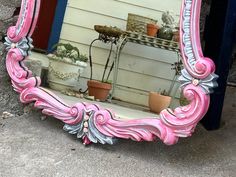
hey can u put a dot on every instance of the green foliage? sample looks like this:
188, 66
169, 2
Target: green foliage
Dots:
108, 81
83, 58
164, 93
69, 51
183, 101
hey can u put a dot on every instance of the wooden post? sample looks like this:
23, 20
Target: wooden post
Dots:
220, 38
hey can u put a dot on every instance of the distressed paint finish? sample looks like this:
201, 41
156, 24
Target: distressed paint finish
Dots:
98, 125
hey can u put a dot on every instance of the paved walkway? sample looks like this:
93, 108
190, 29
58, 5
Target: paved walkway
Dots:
30, 147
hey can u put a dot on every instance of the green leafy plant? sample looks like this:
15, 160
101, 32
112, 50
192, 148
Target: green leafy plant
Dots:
69, 51
164, 93
83, 58
108, 81
183, 101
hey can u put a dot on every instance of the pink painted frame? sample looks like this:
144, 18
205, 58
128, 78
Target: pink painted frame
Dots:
98, 125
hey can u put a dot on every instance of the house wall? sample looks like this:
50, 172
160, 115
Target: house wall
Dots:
142, 69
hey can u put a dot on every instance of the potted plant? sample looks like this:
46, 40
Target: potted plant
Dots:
152, 29
101, 89
162, 99
159, 101
66, 64
168, 26
176, 34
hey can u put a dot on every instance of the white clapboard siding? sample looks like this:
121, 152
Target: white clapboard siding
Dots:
132, 63
142, 69
119, 9
76, 18
157, 5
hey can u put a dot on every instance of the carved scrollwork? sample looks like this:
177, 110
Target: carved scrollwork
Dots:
26, 22
103, 126
195, 63
18, 74
97, 125
183, 120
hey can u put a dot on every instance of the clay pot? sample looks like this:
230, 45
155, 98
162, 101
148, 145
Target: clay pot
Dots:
158, 102
176, 36
99, 90
152, 29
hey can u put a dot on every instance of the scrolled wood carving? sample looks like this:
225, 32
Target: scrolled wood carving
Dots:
94, 124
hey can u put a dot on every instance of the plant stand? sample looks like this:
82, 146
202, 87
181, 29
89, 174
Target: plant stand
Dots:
140, 39
106, 35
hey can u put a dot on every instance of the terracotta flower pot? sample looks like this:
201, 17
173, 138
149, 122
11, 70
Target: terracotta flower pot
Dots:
158, 102
152, 29
99, 90
176, 37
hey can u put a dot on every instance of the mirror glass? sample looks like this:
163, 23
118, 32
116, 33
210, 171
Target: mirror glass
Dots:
134, 42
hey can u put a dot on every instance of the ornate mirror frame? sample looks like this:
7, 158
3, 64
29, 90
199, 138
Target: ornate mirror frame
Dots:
94, 124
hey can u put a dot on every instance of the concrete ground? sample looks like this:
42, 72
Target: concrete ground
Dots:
30, 147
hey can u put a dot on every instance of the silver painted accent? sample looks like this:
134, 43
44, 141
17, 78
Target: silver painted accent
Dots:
207, 84
23, 17
93, 133
24, 45
188, 48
